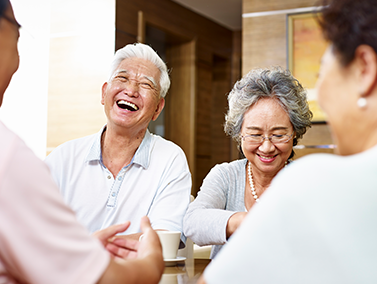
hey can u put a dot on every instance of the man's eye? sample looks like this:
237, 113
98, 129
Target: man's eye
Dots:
255, 135
122, 78
146, 85
277, 135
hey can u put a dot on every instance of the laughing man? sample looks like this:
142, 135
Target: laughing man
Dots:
124, 172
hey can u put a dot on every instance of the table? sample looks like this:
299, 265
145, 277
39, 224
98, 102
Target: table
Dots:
185, 271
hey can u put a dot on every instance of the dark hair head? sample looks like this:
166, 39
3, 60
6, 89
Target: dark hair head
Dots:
346, 24
3, 6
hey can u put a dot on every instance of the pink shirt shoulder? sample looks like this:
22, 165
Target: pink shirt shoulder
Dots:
40, 239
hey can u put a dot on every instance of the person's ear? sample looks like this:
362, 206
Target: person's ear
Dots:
104, 87
160, 107
366, 65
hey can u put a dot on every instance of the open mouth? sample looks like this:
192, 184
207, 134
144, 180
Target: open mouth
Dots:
127, 105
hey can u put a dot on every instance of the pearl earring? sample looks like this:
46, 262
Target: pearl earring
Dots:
362, 102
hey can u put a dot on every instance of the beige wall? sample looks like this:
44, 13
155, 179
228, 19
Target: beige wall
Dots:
264, 40
81, 50
24, 109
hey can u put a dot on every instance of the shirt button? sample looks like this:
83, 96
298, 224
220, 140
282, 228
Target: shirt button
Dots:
119, 178
109, 177
113, 194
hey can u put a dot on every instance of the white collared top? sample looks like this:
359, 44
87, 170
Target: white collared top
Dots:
157, 183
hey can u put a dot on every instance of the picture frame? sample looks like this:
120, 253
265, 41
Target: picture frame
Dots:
305, 49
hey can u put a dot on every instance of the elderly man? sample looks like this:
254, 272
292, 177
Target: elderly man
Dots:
40, 238
124, 172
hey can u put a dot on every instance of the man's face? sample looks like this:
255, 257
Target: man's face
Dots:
9, 58
132, 97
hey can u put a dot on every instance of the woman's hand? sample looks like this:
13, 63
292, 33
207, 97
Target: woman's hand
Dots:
234, 222
150, 245
128, 248
141, 261
119, 249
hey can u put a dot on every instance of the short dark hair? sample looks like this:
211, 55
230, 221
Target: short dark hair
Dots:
3, 6
346, 24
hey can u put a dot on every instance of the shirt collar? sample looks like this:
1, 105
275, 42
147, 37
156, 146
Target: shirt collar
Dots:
141, 156
142, 153
95, 150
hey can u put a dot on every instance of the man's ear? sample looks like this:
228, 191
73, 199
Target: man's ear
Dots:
366, 66
160, 107
104, 87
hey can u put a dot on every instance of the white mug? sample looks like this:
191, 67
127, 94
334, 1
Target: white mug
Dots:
170, 243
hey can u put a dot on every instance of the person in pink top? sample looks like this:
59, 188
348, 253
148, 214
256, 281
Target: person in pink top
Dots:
40, 238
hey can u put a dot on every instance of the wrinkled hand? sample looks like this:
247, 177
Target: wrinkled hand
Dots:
147, 264
128, 248
123, 246
150, 243
150, 247
107, 237
105, 234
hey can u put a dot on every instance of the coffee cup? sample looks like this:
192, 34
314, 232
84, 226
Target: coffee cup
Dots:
170, 243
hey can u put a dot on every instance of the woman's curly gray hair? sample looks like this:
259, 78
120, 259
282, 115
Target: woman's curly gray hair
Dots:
268, 83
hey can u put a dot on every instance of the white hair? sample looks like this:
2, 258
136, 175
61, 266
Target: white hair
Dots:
143, 51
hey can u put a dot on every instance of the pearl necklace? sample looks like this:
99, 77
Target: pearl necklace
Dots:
253, 192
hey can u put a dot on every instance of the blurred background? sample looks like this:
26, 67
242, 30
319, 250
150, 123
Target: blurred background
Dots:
66, 47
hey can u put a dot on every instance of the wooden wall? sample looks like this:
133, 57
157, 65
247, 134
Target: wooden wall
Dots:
264, 44
319, 134
204, 58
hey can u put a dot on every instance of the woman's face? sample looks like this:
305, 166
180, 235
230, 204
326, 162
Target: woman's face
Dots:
337, 96
9, 58
267, 118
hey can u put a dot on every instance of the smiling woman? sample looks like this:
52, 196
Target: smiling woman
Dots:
268, 113
319, 225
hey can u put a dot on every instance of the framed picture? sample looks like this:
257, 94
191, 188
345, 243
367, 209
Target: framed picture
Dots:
305, 49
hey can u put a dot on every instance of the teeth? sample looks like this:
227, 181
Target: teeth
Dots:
266, 158
128, 104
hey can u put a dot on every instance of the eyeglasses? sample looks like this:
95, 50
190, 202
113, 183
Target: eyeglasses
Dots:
257, 139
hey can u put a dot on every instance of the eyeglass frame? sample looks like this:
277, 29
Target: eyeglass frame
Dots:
267, 137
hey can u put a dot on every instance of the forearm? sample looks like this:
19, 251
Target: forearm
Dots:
207, 226
234, 222
147, 270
